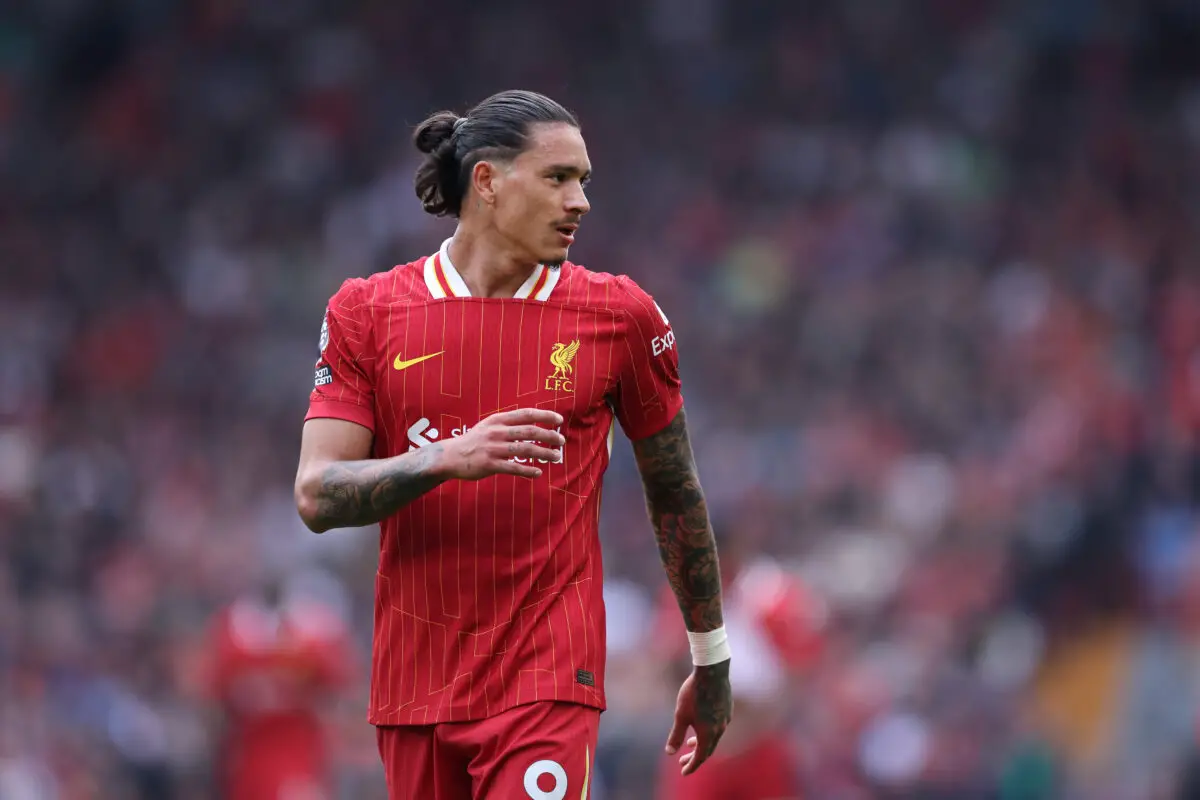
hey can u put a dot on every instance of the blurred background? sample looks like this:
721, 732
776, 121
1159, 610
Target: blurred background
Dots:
934, 267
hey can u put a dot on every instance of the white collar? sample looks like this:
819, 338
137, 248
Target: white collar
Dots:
443, 280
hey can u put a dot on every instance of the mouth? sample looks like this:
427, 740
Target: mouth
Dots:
567, 232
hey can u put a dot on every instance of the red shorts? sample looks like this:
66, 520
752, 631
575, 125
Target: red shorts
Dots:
539, 751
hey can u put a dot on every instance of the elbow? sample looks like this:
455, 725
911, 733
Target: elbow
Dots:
308, 505
312, 519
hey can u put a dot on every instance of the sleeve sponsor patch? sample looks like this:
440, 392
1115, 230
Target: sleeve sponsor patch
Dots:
661, 344
322, 376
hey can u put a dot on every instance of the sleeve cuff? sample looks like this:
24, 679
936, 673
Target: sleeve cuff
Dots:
335, 409
655, 424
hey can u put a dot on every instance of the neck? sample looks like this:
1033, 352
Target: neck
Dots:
487, 265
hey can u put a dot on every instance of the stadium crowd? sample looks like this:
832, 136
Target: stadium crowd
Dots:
934, 269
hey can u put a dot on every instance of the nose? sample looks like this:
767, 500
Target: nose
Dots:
577, 202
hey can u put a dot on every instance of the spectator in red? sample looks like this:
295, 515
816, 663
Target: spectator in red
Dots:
278, 658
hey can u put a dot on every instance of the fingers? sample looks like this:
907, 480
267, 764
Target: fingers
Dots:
514, 443
528, 416
692, 761
686, 757
675, 737
520, 470
533, 433
705, 742
531, 450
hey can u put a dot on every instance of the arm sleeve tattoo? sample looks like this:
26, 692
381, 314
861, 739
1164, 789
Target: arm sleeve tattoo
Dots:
680, 517
353, 493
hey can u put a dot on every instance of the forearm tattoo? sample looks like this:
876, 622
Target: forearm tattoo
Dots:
354, 493
680, 517
714, 701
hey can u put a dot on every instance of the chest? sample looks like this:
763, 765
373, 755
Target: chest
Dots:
469, 358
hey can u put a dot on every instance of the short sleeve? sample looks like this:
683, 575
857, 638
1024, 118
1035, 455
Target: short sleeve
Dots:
342, 385
648, 391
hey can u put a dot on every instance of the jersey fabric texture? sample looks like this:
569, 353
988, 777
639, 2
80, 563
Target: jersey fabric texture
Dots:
488, 593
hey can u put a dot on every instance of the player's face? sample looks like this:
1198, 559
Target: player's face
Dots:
540, 199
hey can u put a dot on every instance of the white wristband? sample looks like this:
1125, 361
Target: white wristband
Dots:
710, 647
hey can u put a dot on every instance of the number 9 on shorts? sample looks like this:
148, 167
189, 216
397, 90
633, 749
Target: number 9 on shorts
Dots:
534, 781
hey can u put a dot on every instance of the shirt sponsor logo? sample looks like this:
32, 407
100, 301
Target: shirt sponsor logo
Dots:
561, 356
422, 434
322, 377
325, 332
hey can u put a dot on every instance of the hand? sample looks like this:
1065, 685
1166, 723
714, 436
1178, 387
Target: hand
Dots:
706, 705
489, 447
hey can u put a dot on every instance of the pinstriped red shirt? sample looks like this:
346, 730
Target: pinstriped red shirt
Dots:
488, 593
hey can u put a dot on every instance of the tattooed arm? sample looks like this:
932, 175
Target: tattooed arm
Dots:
680, 518
688, 551
339, 486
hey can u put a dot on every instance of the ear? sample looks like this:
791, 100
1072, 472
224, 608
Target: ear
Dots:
486, 178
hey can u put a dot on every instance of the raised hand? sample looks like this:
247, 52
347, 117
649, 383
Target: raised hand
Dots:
490, 447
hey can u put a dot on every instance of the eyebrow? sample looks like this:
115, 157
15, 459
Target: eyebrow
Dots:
569, 169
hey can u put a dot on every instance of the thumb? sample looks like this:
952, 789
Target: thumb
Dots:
675, 737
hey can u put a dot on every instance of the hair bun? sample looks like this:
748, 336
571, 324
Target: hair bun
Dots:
436, 131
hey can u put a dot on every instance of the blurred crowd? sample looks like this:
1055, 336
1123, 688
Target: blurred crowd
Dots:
934, 268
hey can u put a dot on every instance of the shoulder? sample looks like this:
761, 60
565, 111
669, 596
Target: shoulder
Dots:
399, 285
617, 292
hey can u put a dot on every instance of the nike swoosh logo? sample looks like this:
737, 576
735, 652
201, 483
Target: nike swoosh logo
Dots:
400, 363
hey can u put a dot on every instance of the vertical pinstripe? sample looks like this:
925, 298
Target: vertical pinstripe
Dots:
472, 619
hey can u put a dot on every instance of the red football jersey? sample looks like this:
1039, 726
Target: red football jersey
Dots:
488, 593
271, 669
